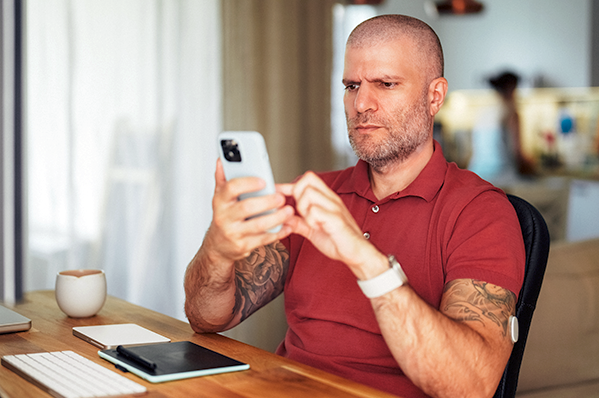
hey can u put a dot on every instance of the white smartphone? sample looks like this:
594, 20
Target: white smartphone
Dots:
244, 154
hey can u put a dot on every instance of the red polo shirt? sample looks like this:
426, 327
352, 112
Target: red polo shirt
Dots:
448, 224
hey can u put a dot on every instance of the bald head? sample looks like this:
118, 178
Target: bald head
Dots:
387, 28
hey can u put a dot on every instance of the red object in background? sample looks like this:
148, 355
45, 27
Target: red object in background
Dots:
459, 7
366, 2
549, 137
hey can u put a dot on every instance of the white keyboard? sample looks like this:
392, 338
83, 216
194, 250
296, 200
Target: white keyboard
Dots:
65, 374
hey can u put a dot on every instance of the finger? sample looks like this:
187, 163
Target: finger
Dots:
252, 206
314, 181
252, 216
243, 185
235, 187
325, 213
308, 195
253, 233
230, 214
264, 223
308, 180
233, 247
318, 203
285, 189
296, 225
333, 223
227, 194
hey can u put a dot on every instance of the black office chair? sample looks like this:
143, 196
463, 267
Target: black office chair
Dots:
536, 243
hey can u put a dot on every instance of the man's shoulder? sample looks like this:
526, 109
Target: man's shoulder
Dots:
460, 180
463, 187
458, 176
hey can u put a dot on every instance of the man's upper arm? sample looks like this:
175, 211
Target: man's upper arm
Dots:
260, 278
484, 307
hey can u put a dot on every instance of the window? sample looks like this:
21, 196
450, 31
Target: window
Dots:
122, 99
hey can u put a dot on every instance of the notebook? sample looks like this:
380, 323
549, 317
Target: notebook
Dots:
11, 321
111, 336
172, 361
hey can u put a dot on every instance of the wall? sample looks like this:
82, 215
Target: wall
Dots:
583, 212
544, 40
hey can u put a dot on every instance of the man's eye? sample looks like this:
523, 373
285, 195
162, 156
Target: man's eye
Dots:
388, 84
351, 87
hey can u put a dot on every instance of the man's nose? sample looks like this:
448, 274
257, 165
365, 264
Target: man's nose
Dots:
365, 99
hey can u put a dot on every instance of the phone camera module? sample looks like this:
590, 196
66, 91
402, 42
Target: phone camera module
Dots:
231, 150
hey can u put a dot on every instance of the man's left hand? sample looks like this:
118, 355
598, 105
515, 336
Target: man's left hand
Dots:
324, 220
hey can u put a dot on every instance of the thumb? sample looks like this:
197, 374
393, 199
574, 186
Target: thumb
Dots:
219, 174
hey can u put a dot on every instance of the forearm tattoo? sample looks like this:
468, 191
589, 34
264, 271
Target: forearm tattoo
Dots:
260, 278
478, 301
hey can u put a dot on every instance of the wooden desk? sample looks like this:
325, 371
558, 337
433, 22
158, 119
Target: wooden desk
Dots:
269, 376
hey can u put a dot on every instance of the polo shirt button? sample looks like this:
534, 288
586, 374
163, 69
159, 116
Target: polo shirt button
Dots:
366, 235
375, 209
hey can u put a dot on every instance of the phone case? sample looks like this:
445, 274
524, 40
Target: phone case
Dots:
249, 159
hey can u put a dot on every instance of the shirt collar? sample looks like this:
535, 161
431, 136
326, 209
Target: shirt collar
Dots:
426, 185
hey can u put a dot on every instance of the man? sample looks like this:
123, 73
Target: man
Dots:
444, 332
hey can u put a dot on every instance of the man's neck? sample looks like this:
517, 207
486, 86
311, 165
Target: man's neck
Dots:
397, 176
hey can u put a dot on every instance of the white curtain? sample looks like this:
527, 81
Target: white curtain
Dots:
123, 109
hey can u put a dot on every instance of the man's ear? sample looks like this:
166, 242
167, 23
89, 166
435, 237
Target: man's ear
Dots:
437, 91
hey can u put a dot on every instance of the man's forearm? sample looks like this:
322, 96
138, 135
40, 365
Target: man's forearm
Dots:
209, 294
220, 295
443, 357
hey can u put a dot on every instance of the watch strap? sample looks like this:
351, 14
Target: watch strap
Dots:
382, 284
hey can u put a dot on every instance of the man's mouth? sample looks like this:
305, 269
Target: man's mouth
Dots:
367, 128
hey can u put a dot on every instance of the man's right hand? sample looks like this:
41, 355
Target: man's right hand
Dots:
219, 284
232, 234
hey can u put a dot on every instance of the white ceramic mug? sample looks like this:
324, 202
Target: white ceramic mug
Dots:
81, 293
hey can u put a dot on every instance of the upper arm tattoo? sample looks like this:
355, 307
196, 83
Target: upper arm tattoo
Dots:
468, 300
260, 278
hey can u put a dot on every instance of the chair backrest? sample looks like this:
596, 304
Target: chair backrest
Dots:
536, 243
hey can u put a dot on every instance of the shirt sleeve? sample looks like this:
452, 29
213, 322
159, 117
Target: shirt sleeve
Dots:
487, 243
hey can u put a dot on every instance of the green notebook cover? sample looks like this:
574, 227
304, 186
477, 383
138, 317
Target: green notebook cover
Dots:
174, 361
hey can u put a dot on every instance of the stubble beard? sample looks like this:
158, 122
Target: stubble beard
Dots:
406, 132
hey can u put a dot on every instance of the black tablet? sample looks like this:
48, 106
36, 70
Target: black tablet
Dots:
157, 363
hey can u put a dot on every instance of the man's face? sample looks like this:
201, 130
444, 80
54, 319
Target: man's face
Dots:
386, 102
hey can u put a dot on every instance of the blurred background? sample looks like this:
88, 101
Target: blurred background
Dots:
111, 111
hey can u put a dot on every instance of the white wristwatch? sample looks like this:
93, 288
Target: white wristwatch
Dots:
389, 280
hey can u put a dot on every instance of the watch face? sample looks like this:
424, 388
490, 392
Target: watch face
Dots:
397, 267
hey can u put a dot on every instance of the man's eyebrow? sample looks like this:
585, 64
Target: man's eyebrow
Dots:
384, 78
347, 82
